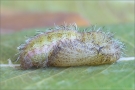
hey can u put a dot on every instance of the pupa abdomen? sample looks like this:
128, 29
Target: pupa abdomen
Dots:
77, 52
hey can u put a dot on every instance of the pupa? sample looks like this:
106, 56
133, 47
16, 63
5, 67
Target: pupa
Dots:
65, 45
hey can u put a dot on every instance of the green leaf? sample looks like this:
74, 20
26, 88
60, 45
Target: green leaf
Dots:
116, 76
119, 75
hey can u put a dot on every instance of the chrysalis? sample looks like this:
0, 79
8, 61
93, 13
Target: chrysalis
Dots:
66, 46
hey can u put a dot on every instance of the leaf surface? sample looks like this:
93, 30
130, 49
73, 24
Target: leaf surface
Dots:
119, 75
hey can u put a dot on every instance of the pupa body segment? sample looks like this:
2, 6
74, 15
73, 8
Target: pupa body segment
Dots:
66, 46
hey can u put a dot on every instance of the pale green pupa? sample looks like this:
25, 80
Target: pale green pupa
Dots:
65, 46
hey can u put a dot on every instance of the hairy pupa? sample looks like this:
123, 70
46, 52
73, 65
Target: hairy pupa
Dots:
66, 46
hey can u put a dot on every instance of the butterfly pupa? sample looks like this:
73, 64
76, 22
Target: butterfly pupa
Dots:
66, 46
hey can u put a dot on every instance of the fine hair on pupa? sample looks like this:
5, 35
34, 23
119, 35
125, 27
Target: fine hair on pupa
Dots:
66, 45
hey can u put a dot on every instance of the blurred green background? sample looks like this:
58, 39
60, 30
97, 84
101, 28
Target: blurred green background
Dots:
96, 12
